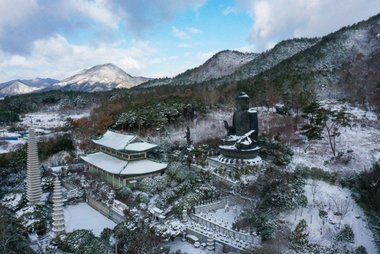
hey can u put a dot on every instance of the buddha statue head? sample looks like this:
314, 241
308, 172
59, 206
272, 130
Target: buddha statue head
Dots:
242, 101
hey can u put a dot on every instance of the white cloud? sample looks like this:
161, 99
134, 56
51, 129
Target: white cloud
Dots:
186, 33
34, 20
275, 20
16, 61
193, 30
16, 12
230, 9
98, 10
180, 34
55, 57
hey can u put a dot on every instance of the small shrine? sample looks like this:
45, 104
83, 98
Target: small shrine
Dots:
239, 147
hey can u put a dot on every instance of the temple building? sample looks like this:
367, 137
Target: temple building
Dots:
58, 214
33, 179
122, 159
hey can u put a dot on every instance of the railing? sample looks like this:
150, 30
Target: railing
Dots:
224, 230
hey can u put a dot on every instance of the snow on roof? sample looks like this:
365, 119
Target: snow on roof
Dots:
115, 165
58, 168
140, 146
155, 210
143, 167
106, 162
114, 140
119, 141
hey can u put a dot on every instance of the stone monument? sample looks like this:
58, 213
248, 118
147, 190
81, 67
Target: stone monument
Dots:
189, 141
239, 147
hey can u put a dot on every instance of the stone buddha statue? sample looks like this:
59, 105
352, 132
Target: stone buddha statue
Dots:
239, 147
244, 129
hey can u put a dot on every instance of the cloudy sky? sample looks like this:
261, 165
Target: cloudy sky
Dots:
154, 38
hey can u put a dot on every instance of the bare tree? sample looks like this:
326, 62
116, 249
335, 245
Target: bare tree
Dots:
341, 208
314, 189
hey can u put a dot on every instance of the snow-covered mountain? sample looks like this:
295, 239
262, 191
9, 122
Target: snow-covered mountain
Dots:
18, 87
40, 82
221, 64
344, 64
266, 60
99, 78
37, 82
341, 65
228, 66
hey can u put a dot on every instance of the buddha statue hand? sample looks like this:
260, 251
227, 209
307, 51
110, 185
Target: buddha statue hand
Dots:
230, 129
246, 141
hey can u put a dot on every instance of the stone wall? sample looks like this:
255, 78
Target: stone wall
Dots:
223, 230
98, 206
220, 203
229, 182
105, 210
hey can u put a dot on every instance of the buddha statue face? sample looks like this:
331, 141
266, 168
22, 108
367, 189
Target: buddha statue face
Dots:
242, 102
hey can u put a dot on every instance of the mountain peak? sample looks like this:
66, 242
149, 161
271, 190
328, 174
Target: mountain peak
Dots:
100, 78
18, 87
221, 64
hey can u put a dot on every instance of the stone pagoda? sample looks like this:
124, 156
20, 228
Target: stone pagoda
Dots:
58, 215
239, 147
33, 180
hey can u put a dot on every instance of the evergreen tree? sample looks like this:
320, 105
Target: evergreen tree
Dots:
319, 119
313, 129
361, 250
346, 234
299, 238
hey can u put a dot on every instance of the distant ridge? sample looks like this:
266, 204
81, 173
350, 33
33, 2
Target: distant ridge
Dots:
342, 64
18, 87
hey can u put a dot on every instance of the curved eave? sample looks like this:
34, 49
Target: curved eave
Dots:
117, 166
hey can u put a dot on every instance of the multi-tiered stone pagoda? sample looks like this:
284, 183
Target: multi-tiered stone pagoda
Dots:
58, 215
33, 181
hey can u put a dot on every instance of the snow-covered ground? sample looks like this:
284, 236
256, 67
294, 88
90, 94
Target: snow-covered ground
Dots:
185, 247
11, 200
51, 119
10, 145
363, 143
83, 216
359, 144
208, 127
331, 199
